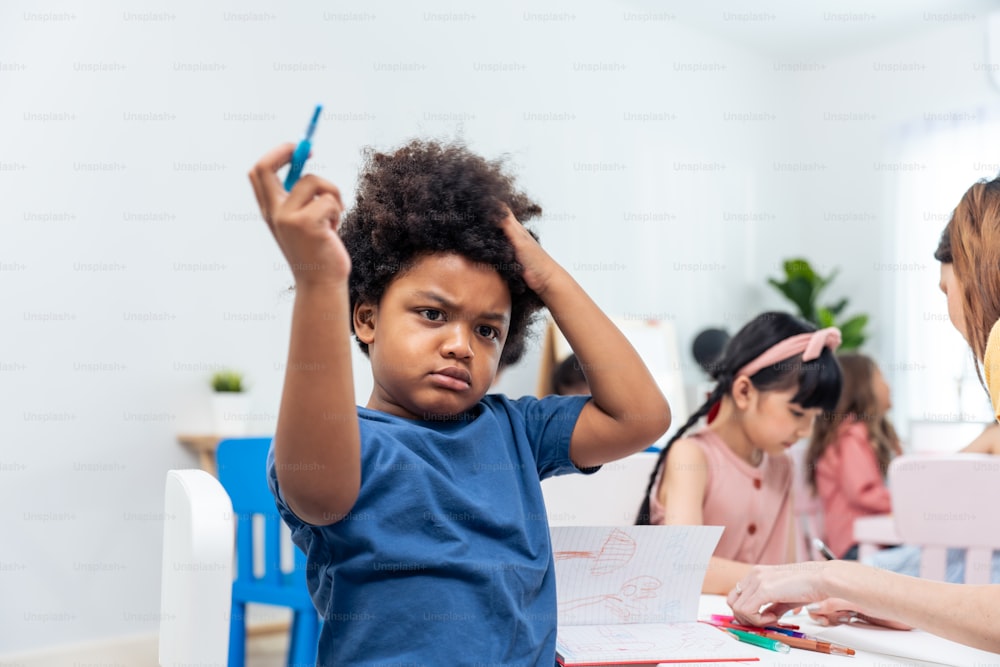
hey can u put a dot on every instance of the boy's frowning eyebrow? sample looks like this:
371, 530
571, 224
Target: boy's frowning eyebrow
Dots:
500, 318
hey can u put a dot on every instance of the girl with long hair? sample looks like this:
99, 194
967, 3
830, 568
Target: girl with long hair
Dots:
775, 376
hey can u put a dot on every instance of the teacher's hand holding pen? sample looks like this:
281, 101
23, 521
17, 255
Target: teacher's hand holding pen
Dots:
769, 591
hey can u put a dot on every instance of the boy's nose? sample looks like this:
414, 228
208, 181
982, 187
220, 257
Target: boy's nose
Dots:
458, 342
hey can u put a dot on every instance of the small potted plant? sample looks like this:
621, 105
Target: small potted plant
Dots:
230, 403
802, 286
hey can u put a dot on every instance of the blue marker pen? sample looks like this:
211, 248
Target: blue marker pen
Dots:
301, 153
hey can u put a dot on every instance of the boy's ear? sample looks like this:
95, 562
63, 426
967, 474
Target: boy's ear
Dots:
741, 391
364, 322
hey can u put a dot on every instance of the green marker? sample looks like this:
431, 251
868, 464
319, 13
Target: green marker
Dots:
758, 640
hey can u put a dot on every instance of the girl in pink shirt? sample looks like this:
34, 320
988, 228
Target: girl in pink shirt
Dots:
850, 452
776, 375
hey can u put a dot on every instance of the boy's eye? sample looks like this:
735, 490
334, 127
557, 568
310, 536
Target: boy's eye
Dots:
488, 332
431, 314
797, 413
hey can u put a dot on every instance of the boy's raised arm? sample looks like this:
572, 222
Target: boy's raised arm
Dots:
628, 411
316, 444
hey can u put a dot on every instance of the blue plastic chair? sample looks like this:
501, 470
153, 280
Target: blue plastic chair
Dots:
242, 471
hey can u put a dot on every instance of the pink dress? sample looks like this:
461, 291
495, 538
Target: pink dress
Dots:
850, 484
752, 504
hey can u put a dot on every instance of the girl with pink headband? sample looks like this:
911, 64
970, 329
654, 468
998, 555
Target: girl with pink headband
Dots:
776, 375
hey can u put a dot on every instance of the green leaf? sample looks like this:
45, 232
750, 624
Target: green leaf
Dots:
799, 268
852, 332
799, 291
824, 318
822, 282
837, 308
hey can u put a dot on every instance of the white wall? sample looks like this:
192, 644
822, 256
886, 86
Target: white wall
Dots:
847, 216
134, 263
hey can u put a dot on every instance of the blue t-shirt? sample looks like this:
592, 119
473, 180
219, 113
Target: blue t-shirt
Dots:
445, 558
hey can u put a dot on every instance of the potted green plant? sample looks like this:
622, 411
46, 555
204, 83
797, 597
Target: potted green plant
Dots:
230, 403
802, 286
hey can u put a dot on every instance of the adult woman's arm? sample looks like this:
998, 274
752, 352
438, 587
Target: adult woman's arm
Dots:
960, 612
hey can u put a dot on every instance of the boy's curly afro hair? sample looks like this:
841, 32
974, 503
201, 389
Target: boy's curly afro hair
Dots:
428, 197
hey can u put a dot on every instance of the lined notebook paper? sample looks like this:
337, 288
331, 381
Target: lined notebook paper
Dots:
629, 595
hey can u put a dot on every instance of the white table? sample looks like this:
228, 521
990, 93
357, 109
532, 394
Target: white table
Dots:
716, 604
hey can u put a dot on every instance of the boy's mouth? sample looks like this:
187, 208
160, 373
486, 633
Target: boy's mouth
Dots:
452, 377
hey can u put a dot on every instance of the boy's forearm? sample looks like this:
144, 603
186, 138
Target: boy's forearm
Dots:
621, 385
317, 442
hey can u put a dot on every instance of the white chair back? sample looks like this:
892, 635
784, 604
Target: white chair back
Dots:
609, 497
197, 576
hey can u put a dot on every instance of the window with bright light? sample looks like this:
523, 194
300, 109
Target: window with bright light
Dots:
933, 375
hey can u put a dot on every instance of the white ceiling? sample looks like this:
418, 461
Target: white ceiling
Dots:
807, 29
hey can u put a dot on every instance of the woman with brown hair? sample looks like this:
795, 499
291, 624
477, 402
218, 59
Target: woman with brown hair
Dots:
850, 451
974, 236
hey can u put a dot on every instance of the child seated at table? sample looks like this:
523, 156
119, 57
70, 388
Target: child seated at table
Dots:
421, 514
850, 452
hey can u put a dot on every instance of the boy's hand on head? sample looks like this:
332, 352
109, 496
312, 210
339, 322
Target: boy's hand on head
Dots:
537, 266
304, 221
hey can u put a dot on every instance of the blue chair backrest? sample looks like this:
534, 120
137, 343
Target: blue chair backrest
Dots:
242, 470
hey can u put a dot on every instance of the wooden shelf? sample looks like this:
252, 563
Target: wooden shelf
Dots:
204, 446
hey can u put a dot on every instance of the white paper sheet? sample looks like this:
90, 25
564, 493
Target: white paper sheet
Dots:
630, 594
630, 574
640, 642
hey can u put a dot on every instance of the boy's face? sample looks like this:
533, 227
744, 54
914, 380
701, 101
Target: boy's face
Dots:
435, 337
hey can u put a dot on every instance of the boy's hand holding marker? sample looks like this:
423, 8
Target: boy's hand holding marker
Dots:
304, 221
302, 151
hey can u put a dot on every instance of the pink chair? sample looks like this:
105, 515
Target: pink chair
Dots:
874, 532
943, 501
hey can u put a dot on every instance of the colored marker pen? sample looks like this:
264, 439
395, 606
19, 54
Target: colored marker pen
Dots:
810, 644
301, 153
732, 619
821, 547
784, 631
749, 628
758, 640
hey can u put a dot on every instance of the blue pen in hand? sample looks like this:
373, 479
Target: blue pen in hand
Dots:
301, 153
